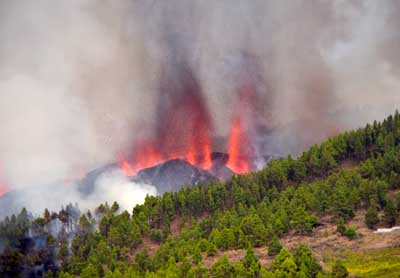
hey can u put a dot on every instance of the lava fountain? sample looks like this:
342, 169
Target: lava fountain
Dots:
183, 127
238, 160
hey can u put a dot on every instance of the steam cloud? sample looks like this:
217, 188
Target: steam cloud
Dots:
80, 80
109, 187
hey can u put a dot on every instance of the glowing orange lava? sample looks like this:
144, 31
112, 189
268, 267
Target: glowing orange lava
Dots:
146, 156
127, 168
199, 150
3, 187
238, 161
207, 163
191, 155
3, 190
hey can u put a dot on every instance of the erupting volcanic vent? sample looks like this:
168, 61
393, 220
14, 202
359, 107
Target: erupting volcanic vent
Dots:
183, 128
183, 125
238, 160
241, 145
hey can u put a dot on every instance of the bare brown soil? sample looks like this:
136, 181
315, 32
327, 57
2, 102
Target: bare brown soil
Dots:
347, 165
324, 240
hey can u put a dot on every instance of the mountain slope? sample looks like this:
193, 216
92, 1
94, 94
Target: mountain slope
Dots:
350, 177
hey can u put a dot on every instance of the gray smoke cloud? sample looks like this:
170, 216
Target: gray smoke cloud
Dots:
80, 80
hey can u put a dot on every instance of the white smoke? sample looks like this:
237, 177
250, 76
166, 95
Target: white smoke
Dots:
116, 186
110, 186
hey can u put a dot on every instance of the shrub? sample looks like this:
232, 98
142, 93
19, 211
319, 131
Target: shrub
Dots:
350, 233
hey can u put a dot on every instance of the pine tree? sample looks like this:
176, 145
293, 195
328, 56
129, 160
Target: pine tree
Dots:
341, 228
306, 261
371, 217
114, 207
390, 213
89, 272
223, 268
274, 247
251, 263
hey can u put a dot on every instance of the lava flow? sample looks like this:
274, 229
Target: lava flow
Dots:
238, 161
199, 151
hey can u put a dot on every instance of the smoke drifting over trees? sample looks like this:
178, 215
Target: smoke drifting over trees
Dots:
80, 80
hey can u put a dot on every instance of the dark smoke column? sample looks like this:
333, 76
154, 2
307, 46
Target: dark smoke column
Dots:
183, 122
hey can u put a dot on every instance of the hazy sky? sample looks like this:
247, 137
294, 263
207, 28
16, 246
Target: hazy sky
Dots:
80, 80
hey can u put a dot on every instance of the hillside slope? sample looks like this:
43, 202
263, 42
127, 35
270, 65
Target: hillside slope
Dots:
330, 198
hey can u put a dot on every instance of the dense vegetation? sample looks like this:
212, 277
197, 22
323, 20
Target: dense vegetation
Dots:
170, 235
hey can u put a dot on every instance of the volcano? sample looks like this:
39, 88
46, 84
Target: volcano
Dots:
169, 175
172, 175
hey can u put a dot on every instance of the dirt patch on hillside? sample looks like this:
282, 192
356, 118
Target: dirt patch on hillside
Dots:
347, 165
324, 240
237, 255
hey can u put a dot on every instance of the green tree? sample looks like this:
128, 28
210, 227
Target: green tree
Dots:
390, 213
274, 246
327, 160
114, 207
302, 221
306, 261
254, 229
251, 263
142, 261
264, 273
211, 249
223, 268
62, 254
123, 231
351, 233
46, 216
89, 272
371, 217
341, 228
62, 274
199, 271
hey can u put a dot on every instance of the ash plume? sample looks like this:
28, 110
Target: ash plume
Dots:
81, 82
181, 106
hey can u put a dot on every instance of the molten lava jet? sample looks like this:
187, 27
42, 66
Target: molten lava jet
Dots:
183, 126
127, 168
241, 148
199, 150
238, 160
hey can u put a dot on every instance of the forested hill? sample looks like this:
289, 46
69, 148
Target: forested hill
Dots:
191, 233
